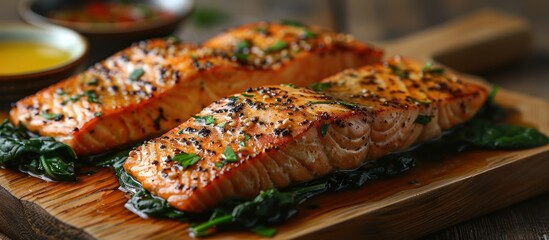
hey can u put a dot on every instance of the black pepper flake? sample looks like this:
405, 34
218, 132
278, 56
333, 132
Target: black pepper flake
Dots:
204, 132
282, 131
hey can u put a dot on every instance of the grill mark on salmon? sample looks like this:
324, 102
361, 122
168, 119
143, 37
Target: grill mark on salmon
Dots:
371, 112
149, 88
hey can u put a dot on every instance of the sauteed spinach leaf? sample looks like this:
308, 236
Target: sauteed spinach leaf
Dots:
40, 156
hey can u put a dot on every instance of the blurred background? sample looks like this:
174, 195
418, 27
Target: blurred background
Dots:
370, 20
382, 20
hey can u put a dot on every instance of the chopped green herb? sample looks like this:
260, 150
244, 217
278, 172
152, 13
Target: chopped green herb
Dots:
186, 159
307, 34
292, 23
324, 129
342, 103
425, 102
241, 57
98, 114
73, 98
242, 45
52, 116
277, 46
234, 98
247, 95
221, 125
289, 85
242, 50
92, 97
399, 71
428, 69
229, 155
60, 92
423, 119
220, 164
136, 74
263, 231
427, 66
319, 87
208, 120
243, 142
92, 82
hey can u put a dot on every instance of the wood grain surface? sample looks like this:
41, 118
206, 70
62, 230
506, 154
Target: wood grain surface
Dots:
448, 192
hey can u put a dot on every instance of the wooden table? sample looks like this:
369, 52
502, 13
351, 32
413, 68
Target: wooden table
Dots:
382, 20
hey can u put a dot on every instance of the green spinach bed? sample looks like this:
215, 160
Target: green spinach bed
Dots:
52, 160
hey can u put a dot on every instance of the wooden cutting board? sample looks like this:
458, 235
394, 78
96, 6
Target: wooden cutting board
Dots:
444, 192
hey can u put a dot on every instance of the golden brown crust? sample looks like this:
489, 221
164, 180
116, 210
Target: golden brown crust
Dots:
371, 111
128, 97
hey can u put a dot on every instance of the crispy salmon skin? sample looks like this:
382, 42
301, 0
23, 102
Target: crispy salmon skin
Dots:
149, 88
278, 135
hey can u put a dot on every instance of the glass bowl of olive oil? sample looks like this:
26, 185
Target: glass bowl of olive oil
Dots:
32, 58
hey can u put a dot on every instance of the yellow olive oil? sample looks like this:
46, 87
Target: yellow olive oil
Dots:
20, 57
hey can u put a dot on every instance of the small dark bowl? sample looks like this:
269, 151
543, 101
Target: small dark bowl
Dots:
107, 38
16, 86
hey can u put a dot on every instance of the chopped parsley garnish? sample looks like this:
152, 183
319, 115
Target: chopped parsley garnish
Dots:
73, 98
242, 45
246, 138
220, 164
52, 116
60, 92
229, 155
307, 34
208, 120
428, 69
242, 50
293, 23
277, 46
247, 95
398, 71
186, 159
319, 87
289, 85
136, 74
423, 119
342, 103
233, 98
324, 129
92, 82
241, 57
92, 97
263, 231
221, 125
420, 102
98, 114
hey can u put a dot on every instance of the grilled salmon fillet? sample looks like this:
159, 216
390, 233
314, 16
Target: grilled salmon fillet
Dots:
149, 88
279, 135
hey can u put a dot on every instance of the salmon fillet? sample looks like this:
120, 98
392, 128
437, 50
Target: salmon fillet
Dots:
149, 88
279, 135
